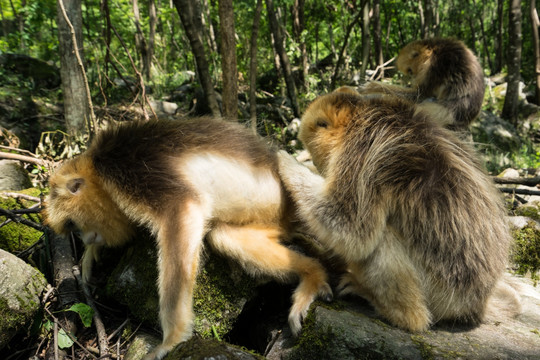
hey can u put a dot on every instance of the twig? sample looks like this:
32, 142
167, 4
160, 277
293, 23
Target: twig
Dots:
520, 191
18, 219
55, 319
100, 328
517, 180
25, 158
21, 196
383, 66
118, 329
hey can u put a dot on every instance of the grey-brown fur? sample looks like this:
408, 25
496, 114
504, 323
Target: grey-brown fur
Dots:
405, 203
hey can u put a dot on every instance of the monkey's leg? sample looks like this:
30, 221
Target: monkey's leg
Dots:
179, 240
376, 87
391, 283
259, 251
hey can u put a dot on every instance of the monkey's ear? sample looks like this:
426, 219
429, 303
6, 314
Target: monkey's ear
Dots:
74, 185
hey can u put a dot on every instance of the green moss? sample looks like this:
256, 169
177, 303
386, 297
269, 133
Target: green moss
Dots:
16, 237
199, 349
425, 348
530, 211
525, 252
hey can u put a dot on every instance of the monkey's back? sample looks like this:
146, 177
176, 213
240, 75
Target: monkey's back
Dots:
445, 208
139, 158
455, 77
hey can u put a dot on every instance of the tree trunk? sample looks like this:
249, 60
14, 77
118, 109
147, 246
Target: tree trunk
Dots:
140, 41
510, 107
377, 36
499, 39
152, 21
253, 66
535, 24
190, 16
365, 38
228, 60
298, 29
283, 57
341, 56
77, 107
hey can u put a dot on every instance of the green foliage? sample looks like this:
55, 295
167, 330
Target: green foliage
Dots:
526, 251
85, 313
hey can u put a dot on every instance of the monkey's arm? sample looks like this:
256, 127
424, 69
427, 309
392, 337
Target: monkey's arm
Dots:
376, 87
89, 256
356, 226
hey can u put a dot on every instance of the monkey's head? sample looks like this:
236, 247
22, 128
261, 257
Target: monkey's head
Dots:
78, 203
414, 61
324, 123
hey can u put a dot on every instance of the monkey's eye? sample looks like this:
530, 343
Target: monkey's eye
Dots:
322, 124
409, 71
69, 226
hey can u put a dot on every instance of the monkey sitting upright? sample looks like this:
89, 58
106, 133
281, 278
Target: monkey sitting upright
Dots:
184, 180
405, 203
446, 78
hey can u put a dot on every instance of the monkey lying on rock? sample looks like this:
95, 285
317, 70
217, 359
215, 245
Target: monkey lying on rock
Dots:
405, 203
184, 180
447, 80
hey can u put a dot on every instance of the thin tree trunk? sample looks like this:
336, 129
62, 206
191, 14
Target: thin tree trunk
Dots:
283, 57
298, 29
365, 37
140, 41
190, 16
535, 24
510, 107
377, 36
152, 21
228, 60
253, 65
341, 56
499, 39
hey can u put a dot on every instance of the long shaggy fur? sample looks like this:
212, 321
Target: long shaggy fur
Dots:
405, 203
184, 180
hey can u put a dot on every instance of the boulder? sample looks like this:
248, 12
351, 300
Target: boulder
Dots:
222, 288
13, 176
351, 329
21, 287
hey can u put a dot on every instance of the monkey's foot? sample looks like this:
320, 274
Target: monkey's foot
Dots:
158, 353
302, 300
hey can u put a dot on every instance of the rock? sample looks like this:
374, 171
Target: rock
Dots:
498, 133
350, 329
221, 291
163, 108
13, 176
140, 346
209, 349
21, 287
40, 72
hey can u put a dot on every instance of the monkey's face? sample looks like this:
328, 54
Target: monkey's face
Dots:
78, 204
323, 125
414, 61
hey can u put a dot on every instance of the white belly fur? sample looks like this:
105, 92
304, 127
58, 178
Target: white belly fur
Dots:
231, 190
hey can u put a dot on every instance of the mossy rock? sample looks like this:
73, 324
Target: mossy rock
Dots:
525, 252
16, 237
529, 210
220, 293
21, 287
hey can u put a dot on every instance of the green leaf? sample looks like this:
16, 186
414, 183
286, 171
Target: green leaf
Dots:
64, 341
85, 312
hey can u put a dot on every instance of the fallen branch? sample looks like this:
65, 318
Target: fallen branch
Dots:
21, 220
21, 196
520, 191
517, 180
100, 328
24, 158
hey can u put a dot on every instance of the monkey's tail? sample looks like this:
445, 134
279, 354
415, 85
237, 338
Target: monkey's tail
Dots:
505, 300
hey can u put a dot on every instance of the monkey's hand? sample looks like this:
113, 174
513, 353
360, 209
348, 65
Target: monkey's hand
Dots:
297, 178
89, 256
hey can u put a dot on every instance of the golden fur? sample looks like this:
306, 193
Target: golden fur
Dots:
447, 80
184, 180
405, 203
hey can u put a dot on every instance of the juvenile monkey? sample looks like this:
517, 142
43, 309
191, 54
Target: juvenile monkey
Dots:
184, 180
446, 80
405, 203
